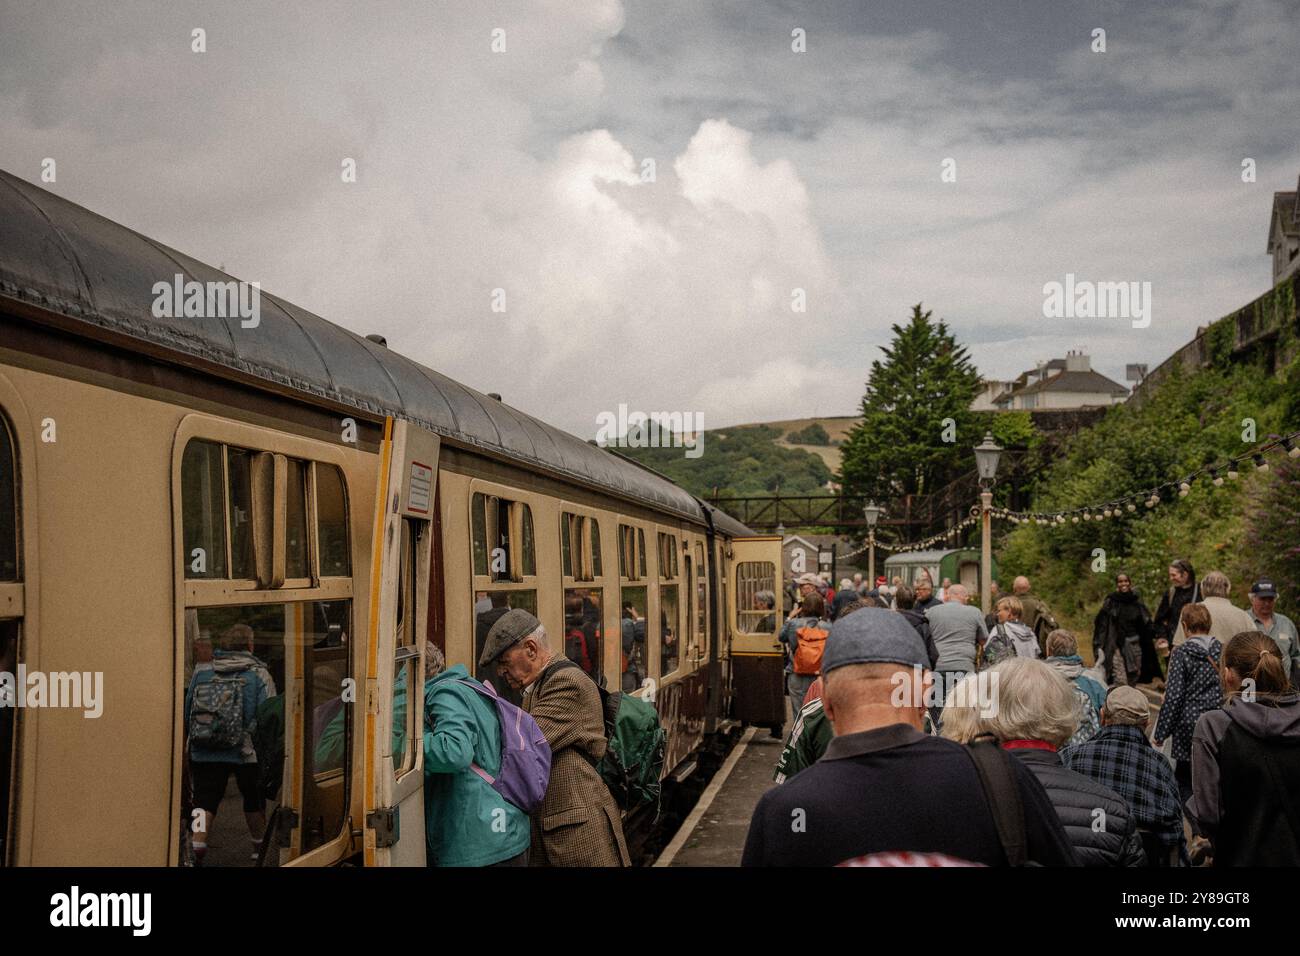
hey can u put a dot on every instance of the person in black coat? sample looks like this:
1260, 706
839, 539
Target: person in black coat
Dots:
1123, 637
1037, 715
1183, 590
905, 604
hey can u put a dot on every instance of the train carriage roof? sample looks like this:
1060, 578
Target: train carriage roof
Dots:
63, 258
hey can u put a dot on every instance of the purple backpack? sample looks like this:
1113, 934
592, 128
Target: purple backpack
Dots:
525, 754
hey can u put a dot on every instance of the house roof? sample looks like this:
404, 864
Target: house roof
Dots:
1089, 381
1286, 215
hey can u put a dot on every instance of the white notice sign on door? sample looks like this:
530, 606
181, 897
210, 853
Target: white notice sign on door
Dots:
421, 488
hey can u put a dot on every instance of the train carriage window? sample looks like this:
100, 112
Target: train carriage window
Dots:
502, 538
755, 597
478, 534
8, 507
669, 629
631, 552
634, 653
528, 557
332, 524
583, 642
668, 566
287, 665
701, 603
566, 549
295, 556
579, 547
203, 513
240, 466
266, 715
489, 606
688, 616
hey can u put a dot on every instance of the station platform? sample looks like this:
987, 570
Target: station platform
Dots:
714, 832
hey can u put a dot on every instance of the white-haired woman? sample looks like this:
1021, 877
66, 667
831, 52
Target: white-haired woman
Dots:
1035, 714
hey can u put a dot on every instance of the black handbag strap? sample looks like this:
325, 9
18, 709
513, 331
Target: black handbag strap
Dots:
997, 777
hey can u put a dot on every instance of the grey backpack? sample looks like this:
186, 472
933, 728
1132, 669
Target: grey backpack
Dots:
217, 712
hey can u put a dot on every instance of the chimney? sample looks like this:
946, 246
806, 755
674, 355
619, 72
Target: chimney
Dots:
1077, 361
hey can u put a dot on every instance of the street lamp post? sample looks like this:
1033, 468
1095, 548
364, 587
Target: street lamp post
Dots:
872, 513
986, 463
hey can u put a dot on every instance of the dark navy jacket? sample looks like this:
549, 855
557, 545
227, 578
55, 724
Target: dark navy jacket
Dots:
894, 789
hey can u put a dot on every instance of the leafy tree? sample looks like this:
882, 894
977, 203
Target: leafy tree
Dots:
1273, 527
900, 446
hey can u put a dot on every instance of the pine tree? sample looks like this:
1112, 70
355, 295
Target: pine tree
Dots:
899, 448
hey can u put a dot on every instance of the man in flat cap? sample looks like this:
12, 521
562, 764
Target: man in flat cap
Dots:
1120, 756
578, 824
883, 785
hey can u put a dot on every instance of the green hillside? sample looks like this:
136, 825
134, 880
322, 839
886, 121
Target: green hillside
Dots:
1246, 527
741, 460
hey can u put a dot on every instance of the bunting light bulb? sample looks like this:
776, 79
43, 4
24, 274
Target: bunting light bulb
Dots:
1132, 507
1183, 489
1232, 472
1260, 463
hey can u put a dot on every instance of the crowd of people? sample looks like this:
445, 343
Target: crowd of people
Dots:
926, 731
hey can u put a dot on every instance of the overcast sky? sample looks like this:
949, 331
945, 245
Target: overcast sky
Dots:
775, 170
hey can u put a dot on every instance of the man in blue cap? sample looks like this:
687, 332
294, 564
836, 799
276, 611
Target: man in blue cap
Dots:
884, 786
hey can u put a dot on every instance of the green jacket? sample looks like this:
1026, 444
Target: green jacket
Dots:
467, 823
809, 738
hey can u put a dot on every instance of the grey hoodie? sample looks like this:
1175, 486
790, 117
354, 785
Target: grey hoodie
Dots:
1280, 718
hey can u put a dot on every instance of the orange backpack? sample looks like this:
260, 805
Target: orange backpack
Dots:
808, 654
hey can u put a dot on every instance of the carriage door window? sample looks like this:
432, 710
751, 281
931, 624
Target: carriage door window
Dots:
755, 597
408, 697
11, 604
266, 724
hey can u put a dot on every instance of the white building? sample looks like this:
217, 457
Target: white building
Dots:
1284, 234
1068, 383
990, 389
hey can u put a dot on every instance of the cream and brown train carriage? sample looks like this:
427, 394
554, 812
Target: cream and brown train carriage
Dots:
177, 491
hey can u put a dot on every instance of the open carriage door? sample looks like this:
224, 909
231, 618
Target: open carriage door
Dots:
758, 667
394, 785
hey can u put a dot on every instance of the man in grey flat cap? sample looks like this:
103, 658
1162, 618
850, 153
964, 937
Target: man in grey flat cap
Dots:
882, 785
578, 823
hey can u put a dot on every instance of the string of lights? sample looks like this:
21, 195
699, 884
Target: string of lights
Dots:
1216, 473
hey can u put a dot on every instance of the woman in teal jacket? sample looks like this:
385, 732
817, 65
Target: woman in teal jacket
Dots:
467, 823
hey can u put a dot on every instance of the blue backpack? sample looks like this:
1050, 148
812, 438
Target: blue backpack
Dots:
525, 754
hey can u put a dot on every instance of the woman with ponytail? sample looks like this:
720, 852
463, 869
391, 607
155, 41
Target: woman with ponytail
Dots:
1246, 760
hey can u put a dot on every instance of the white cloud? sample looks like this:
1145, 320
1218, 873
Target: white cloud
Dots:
775, 172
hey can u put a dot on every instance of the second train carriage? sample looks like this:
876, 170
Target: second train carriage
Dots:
167, 482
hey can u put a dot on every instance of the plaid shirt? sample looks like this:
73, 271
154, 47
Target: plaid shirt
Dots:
1121, 757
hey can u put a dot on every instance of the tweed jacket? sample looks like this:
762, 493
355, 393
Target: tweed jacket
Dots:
578, 823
